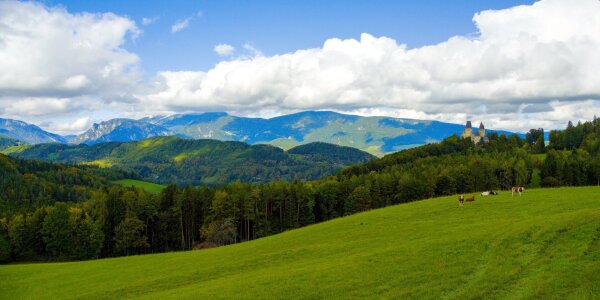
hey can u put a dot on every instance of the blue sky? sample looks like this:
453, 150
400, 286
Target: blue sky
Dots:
276, 27
514, 65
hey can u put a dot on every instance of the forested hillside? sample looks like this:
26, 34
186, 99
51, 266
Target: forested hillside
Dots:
133, 221
26, 185
169, 160
6, 142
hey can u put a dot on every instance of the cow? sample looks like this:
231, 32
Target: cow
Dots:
488, 193
461, 200
517, 189
470, 199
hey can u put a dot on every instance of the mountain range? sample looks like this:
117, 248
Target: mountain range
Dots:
376, 135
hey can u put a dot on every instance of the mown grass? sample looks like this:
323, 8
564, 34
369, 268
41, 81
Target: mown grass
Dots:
148, 186
545, 244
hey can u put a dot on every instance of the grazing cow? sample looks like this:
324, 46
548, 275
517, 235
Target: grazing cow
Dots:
488, 193
461, 200
470, 199
517, 189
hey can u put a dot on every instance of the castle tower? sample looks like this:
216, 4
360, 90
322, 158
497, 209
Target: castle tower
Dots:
481, 130
468, 132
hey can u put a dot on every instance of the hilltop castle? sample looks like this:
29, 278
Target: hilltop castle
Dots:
475, 137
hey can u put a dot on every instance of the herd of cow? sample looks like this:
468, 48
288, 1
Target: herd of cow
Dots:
513, 190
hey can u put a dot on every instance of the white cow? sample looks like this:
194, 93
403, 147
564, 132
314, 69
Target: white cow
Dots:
517, 189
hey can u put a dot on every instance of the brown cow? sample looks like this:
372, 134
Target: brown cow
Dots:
461, 200
470, 199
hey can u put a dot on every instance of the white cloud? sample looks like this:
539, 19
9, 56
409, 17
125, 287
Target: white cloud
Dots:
181, 25
148, 21
73, 127
529, 66
524, 56
38, 106
253, 50
51, 59
224, 49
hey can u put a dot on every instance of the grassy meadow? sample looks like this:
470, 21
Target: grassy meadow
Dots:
148, 186
545, 244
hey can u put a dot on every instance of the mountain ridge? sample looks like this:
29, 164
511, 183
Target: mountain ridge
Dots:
172, 159
377, 135
119, 130
27, 133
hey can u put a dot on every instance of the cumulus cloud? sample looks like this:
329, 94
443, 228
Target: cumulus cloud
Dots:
50, 58
180, 25
522, 58
224, 49
528, 66
73, 127
37, 106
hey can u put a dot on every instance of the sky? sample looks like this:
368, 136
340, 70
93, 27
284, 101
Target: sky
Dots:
514, 65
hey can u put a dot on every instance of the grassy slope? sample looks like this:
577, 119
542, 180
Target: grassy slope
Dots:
14, 149
544, 244
148, 186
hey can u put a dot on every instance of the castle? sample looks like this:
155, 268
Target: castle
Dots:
475, 137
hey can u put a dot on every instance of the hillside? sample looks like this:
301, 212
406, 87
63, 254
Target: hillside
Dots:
25, 184
6, 142
545, 244
178, 160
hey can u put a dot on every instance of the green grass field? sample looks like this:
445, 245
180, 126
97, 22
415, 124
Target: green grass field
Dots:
148, 186
545, 244
14, 149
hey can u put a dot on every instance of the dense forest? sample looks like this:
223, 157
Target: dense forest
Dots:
113, 221
204, 162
